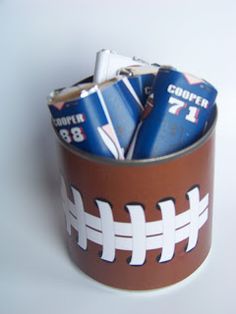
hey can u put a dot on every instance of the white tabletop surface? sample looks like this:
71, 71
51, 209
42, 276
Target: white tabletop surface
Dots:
48, 44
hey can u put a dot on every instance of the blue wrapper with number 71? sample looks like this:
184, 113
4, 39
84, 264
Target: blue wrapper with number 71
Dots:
177, 113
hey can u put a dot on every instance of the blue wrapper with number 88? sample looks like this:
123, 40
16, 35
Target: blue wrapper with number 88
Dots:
181, 108
84, 122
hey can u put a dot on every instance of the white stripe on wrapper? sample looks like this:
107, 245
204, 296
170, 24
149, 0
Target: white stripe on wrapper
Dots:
112, 134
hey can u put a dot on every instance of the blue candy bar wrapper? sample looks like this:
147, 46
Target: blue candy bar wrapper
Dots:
100, 121
182, 107
142, 85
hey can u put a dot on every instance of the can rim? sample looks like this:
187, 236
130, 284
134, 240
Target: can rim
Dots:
139, 162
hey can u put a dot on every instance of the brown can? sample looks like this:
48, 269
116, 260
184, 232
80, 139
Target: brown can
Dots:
143, 224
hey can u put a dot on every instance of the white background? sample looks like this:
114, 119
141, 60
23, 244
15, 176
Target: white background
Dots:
49, 44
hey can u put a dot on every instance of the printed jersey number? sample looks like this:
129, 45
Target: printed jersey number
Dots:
177, 105
193, 114
75, 134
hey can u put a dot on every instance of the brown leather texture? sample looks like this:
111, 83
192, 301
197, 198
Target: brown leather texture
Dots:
146, 184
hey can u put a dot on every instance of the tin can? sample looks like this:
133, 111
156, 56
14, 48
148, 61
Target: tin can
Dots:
181, 108
140, 224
